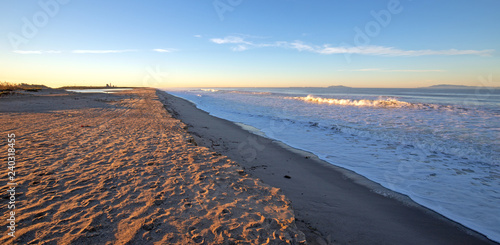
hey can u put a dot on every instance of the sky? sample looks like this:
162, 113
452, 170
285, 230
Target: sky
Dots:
250, 43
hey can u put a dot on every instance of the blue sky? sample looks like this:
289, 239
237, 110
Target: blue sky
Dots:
367, 43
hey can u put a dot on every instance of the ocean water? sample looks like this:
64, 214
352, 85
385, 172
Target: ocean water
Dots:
440, 147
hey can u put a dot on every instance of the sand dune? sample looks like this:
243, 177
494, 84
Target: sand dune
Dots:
118, 169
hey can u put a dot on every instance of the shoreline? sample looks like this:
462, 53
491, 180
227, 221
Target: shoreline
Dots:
331, 203
98, 168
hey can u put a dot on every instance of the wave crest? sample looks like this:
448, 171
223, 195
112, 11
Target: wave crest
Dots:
209, 90
390, 102
249, 92
234, 91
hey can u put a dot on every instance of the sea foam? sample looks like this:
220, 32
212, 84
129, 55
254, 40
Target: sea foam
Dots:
436, 148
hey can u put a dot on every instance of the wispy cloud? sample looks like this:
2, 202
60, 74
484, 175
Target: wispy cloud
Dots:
90, 51
198, 36
435, 70
301, 47
239, 48
367, 69
170, 50
231, 40
391, 51
243, 44
392, 70
80, 51
37, 51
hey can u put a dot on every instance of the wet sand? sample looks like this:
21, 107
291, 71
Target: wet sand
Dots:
332, 205
119, 169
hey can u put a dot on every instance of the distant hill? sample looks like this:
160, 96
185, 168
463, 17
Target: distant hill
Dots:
449, 86
338, 86
5, 86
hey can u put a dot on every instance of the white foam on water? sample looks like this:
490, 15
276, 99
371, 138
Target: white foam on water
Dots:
439, 149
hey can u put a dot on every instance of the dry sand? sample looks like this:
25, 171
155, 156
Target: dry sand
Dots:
118, 169
332, 205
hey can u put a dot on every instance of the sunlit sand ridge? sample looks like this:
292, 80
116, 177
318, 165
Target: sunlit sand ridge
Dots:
118, 169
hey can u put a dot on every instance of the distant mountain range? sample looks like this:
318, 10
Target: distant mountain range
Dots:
439, 86
449, 86
338, 86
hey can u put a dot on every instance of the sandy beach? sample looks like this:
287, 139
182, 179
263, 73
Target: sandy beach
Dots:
332, 205
145, 167
250, 122
119, 169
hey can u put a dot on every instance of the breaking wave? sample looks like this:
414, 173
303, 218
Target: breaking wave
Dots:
249, 92
209, 90
234, 91
382, 103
